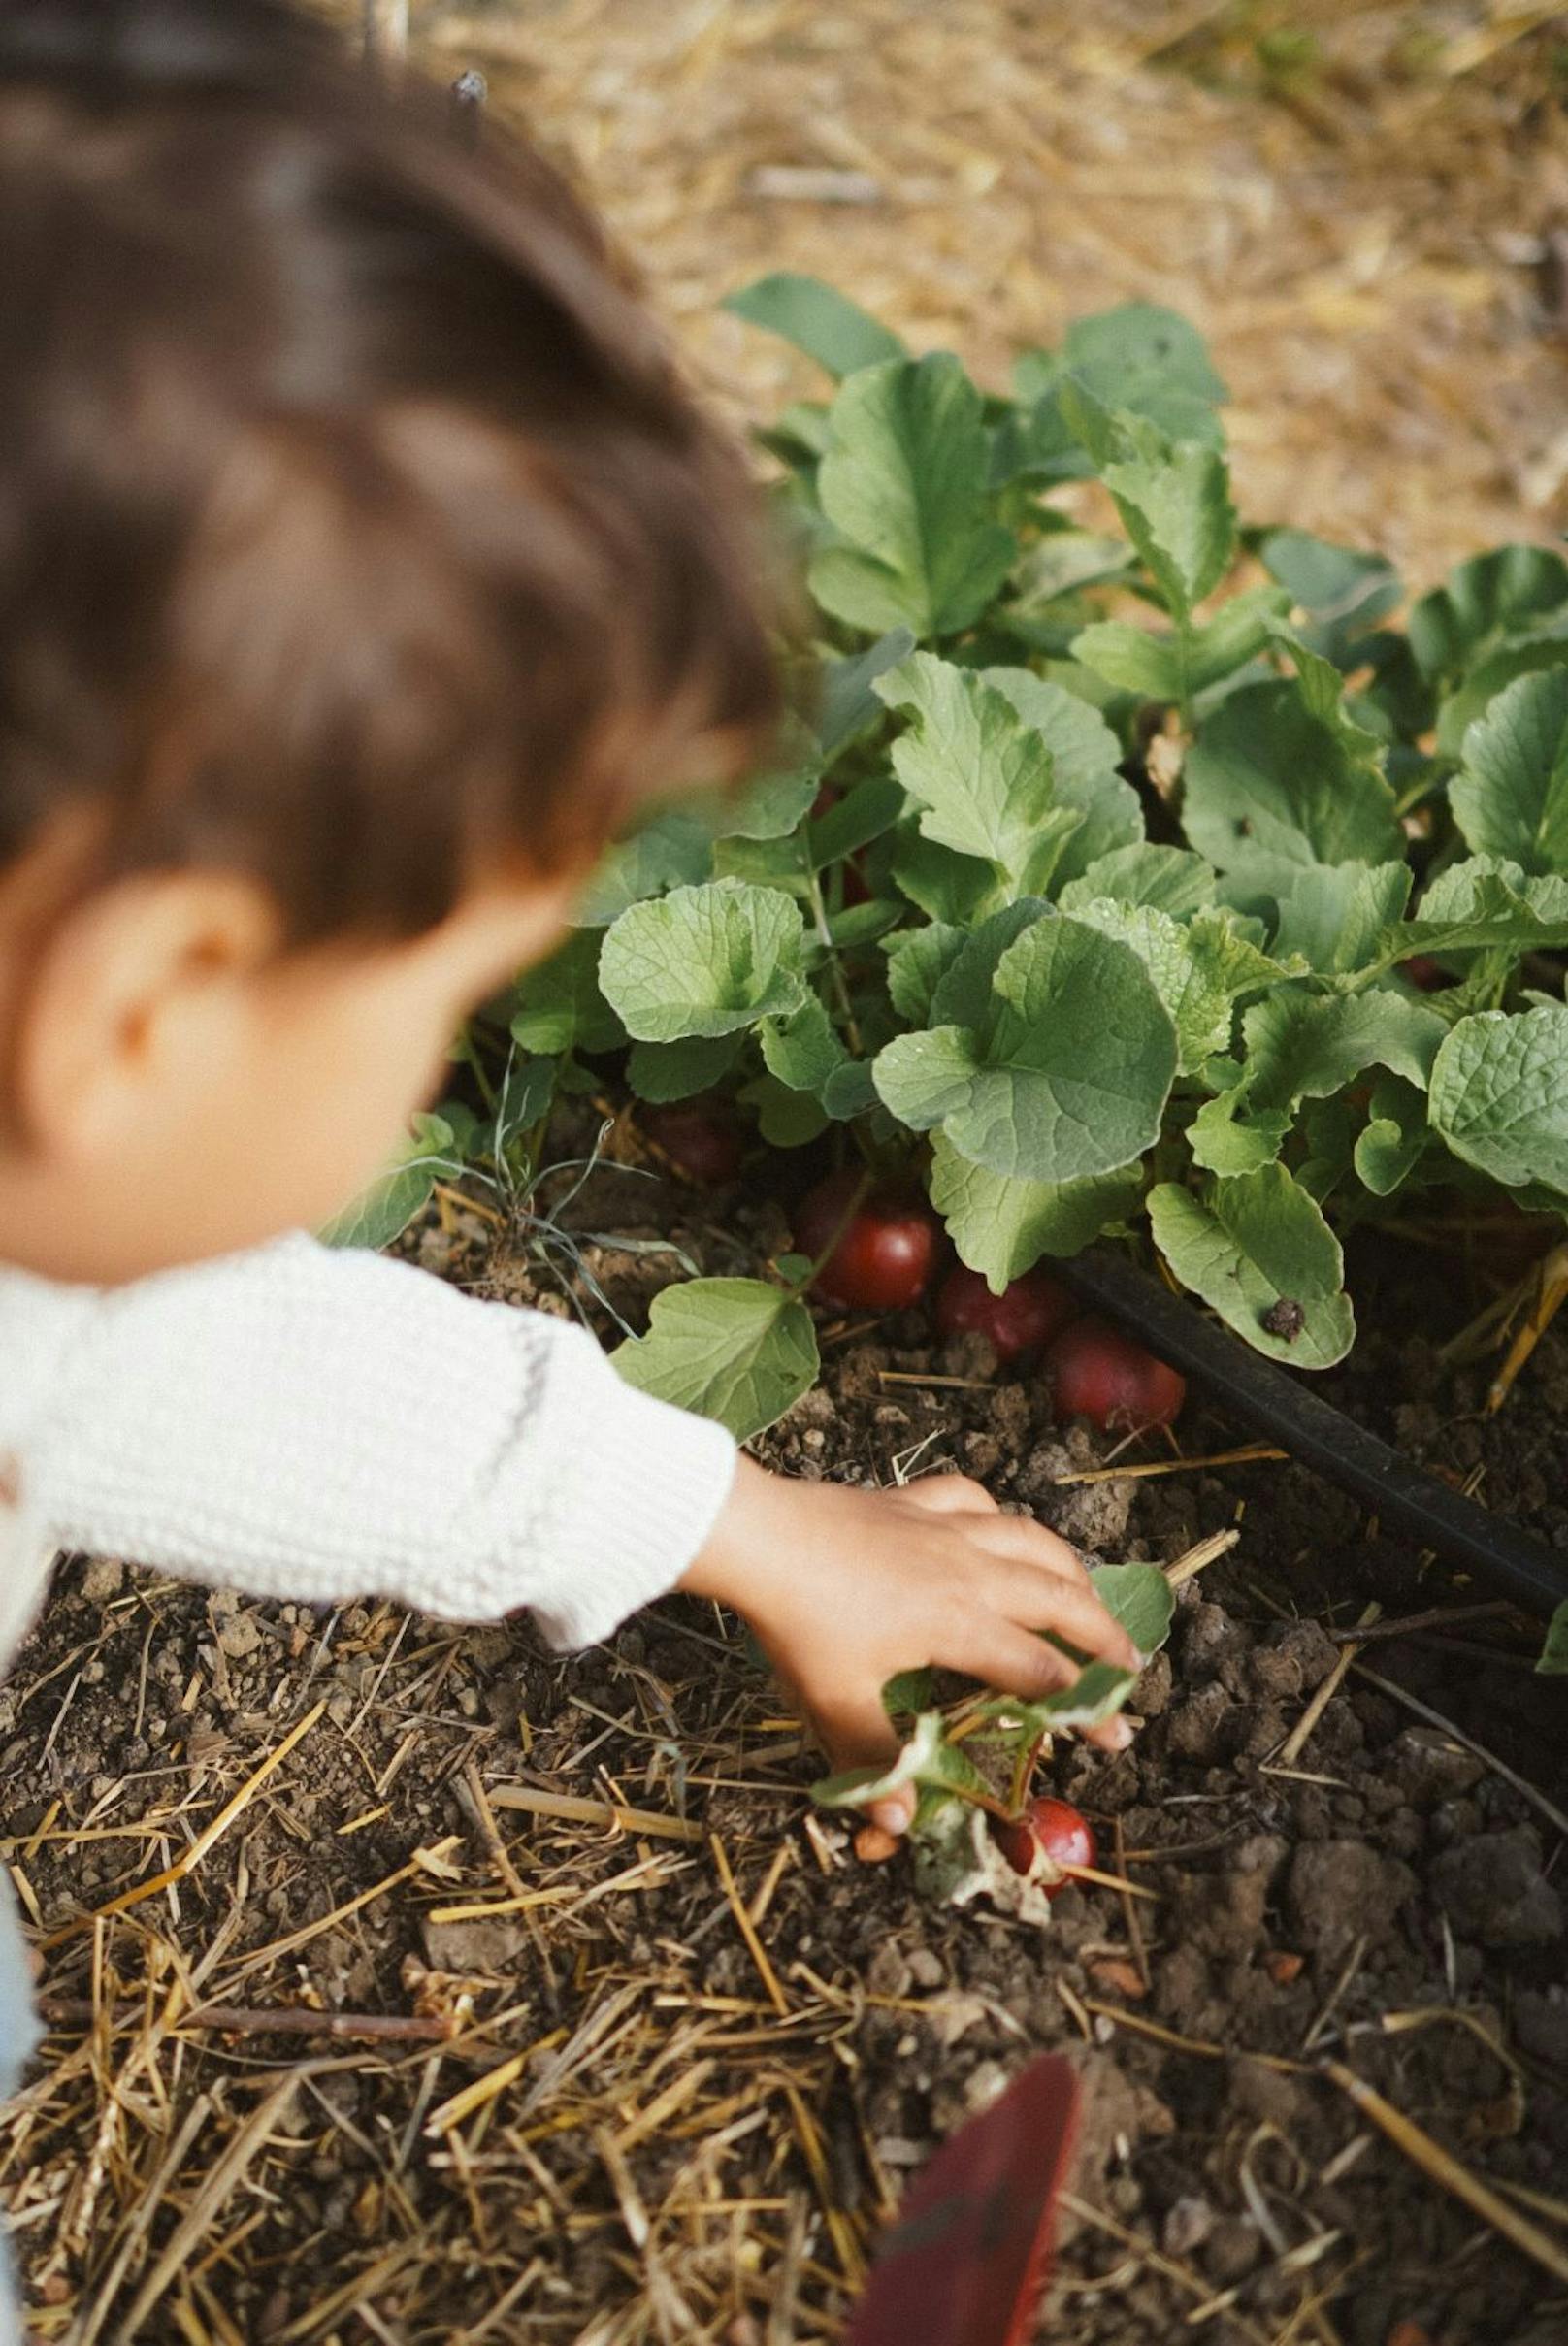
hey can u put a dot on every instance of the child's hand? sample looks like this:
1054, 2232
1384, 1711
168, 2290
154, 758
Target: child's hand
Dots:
846, 1587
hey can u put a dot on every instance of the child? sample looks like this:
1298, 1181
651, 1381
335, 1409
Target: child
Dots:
362, 564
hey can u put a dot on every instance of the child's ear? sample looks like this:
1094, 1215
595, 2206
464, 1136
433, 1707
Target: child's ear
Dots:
135, 992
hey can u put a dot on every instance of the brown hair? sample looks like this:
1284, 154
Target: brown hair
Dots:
353, 521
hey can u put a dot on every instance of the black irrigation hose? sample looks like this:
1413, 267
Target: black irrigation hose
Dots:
1253, 1388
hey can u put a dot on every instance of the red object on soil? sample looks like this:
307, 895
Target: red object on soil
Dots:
970, 2250
1422, 971
886, 1253
1097, 1372
701, 1137
1026, 1315
857, 888
1053, 1826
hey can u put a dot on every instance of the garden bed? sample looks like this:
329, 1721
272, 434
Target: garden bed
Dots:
657, 2123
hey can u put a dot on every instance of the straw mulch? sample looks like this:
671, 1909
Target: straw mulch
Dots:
1367, 227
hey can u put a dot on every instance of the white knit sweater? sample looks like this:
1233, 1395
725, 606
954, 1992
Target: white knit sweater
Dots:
304, 1423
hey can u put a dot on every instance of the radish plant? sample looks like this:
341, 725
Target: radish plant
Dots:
1160, 833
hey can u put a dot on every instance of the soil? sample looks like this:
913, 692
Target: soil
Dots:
668, 2154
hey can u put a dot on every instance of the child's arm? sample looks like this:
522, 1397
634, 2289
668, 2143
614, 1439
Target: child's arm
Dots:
320, 1425
305, 1423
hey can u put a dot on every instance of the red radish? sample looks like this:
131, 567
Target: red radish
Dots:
887, 1249
1426, 974
1097, 1372
1053, 1826
1020, 1319
701, 1137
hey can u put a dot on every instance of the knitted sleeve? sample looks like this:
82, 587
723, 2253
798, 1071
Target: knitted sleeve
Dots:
306, 1424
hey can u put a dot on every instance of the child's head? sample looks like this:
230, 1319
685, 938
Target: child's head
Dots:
362, 562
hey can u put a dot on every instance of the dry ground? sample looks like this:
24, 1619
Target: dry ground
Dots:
1371, 242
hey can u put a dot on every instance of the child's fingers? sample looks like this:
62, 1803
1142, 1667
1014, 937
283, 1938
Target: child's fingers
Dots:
1022, 1536
1041, 1600
893, 1814
950, 1495
1013, 1660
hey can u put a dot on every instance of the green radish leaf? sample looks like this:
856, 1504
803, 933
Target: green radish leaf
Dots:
1171, 668
1170, 879
1307, 1046
1511, 799
1135, 658
1321, 688
1483, 603
1061, 563
1065, 1075
905, 483
1271, 786
1228, 1137
1328, 1128
1499, 1095
558, 1008
818, 319
1481, 904
908, 1691
1256, 1247
762, 864
1394, 1138
985, 780
770, 806
803, 1050
667, 1072
1140, 1598
918, 960
674, 850
797, 435
849, 707
383, 1211
1173, 497
739, 1350
785, 1118
1139, 352
1535, 654
927, 1760
1342, 590
966, 996
1085, 758
705, 962
1200, 971
1554, 1662
858, 925
1002, 1227
1139, 357
849, 1091
1238, 631
1335, 915
1097, 1693
862, 814
951, 889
